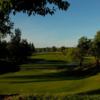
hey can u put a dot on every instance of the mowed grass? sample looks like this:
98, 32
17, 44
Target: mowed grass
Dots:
30, 82
46, 81
58, 56
46, 60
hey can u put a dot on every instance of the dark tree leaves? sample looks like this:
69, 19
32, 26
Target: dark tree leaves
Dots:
41, 7
5, 24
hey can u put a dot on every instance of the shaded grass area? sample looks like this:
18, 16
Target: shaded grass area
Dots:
93, 92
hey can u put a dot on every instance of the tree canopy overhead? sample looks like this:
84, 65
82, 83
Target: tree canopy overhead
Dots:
30, 7
41, 7
5, 25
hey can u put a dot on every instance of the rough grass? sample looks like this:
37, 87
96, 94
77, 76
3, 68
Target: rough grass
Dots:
57, 97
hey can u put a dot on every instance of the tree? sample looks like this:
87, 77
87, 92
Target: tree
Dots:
32, 47
63, 50
40, 7
5, 24
83, 47
54, 49
16, 38
19, 49
25, 50
14, 45
96, 48
3, 50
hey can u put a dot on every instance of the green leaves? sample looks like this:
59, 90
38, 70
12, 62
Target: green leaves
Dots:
96, 45
41, 7
31, 7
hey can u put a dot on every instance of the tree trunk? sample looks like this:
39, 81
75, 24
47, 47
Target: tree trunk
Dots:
97, 64
81, 62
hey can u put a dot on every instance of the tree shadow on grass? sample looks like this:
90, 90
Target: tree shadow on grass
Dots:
68, 73
44, 61
44, 64
60, 74
57, 76
92, 92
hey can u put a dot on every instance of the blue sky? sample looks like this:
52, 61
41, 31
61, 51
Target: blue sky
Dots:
64, 28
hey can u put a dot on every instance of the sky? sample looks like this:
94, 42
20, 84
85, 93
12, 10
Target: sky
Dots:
64, 28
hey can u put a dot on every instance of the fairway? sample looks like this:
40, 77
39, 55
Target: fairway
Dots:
30, 82
46, 75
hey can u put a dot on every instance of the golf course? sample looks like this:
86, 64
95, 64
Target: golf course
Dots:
46, 74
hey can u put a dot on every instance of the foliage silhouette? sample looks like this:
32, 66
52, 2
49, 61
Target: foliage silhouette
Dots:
40, 7
14, 52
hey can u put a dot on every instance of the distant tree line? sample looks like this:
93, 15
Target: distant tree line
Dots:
14, 52
52, 49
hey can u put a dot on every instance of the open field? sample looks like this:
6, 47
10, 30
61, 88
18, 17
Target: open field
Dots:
46, 74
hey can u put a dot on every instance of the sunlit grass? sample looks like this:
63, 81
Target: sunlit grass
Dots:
51, 56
